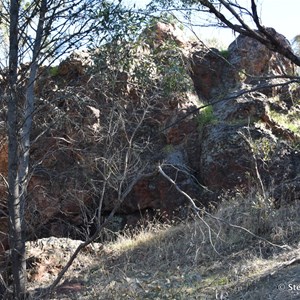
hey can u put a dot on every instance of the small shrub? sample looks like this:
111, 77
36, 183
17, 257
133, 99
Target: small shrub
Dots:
224, 53
263, 148
53, 71
168, 149
289, 121
206, 117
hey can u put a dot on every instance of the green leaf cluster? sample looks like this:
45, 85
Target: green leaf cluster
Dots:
206, 117
162, 67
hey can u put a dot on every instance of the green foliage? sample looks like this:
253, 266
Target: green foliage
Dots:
53, 71
206, 117
148, 66
172, 69
263, 148
294, 89
168, 149
290, 121
224, 53
170, 19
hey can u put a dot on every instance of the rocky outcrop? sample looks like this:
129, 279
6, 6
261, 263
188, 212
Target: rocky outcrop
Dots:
244, 135
207, 155
210, 73
252, 59
246, 61
75, 65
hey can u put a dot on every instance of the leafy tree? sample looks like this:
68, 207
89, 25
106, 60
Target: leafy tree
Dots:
39, 31
133, 76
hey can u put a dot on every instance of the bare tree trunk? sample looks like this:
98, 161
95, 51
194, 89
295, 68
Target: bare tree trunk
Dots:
16, 220
29, 109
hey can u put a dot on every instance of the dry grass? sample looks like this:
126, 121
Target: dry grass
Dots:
167, 261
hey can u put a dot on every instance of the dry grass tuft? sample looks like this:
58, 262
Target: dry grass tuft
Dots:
191, 261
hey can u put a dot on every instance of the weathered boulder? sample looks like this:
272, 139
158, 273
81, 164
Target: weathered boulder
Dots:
214, 73
75, 65
210, 73
252, 58
161, 32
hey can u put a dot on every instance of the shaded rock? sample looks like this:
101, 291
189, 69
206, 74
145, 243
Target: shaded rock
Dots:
244, 140
208, 70
75, 65
178, 133
287, 191
225, 157
245, 108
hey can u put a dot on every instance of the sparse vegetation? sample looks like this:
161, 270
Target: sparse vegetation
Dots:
167, 261
224, 53
206, 116
168, 149
263, 149
289, 120
53, 71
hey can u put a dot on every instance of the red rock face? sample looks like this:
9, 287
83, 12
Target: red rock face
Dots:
208, 68
214, 73
226, 159
4, 157
156, 193
177, 134
162, 32
64, 190
250, 56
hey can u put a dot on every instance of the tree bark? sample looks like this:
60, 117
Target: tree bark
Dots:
16, 220
29, 109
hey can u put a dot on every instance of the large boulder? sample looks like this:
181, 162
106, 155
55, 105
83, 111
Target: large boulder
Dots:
246, 60
75, 65
209, 67
160, 32
252, 59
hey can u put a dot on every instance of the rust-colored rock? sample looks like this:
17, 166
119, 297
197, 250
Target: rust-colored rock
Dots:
67, 176
4, 157
75, 65
208, 73
214, 73
179, 133
161, 32
250, 59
